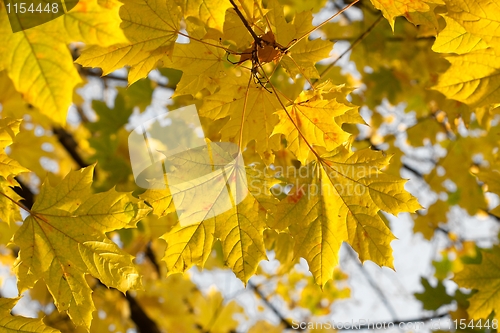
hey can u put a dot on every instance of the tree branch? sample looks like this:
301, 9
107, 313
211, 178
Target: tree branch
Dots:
256, 38
28, 197
142, 321
281, 317
69, 143
373, 325
88, 72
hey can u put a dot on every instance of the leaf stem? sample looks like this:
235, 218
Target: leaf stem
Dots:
242, 124
17, 203
289, 116
203, 42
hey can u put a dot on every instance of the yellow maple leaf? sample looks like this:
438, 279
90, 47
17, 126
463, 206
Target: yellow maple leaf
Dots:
28, 56
428, 223
202, 66
310, 122
484, 277
64, 238
149, 40
251, 110
235, 30
239, 226
454, 38
90, 23
215, 315
211, 13
188, 246
10, 323
241, 233
394, 8
284, 32
302, 57
29, 60
8, 167
478, 18
473, 78
341, 203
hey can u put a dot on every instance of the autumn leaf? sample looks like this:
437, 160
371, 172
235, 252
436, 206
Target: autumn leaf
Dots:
310, 122
341, 203
254, 108
149, 40
91, 23
64, 238
210, 13
205, 69
10, 323
473, 22
394, 8
485, 278
31, 53
220, 209
8, 167
454, 38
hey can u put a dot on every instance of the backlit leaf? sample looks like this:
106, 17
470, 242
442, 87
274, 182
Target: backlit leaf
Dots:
149, 40
17, 324
64, 238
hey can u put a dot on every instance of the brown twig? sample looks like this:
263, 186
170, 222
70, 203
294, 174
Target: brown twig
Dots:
258, 40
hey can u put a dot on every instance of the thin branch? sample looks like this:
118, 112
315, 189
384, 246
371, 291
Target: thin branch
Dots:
256, 38
152, 258
281, 317
374, 325
69, 143
140, 318
322, 24
372, 283
88, 72
356, 42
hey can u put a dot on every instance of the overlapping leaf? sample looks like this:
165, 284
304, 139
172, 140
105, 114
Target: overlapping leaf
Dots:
149, 39
251, 111
8, 130
310, 122
472, 33
17, 324
239, 226
394, 8
64, 238
485, 278
341, 203
203, 66
28, 56
45, 83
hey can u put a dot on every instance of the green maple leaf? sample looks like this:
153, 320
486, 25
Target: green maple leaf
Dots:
433, 297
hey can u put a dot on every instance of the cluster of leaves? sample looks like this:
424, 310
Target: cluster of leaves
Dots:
260, 80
